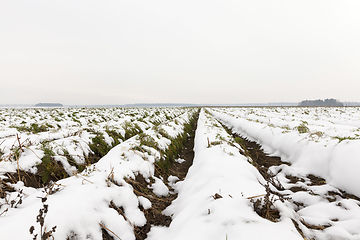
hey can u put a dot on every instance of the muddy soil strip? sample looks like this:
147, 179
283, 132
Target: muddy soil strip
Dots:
158, 204
263, 162
264, 206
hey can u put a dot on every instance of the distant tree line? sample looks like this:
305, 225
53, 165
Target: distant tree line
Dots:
48, 105
319, 102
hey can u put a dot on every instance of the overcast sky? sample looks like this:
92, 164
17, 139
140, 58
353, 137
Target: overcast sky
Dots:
178, 51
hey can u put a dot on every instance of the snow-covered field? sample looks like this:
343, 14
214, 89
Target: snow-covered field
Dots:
79, 205
215, 200
320, 141
67, 133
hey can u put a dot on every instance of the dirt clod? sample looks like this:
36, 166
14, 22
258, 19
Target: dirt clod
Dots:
217, 196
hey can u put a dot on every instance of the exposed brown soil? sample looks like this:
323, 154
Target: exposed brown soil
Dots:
297, 189
44, 176
318, 181
296, 224
261, 160
343, 195
5, 187
154, 214
29, 179
180, 169
294, 179
263, 206
315, 180
105, 235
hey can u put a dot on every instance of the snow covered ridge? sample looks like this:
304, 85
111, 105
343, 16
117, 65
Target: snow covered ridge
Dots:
321, 141
214, 200
81, 205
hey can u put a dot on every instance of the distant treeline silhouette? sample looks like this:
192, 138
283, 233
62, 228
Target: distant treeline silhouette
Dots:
319, 102
48, 105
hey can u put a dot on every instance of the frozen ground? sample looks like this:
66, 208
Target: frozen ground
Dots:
216, 199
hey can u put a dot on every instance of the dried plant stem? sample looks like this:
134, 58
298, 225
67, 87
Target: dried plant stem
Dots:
20, 146
256, 196
109, 231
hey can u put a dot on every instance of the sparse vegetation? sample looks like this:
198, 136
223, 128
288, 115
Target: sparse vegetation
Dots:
177, 144
302, 128
100, 122
82, 136
345, 138
50, 169
98, 146
115, 135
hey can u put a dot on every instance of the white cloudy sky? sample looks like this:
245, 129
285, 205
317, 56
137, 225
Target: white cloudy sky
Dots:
179, 51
